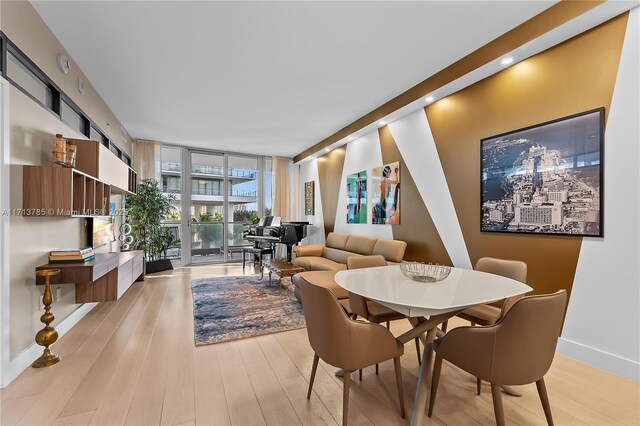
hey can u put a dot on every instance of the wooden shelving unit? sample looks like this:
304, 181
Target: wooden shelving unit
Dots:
96, 160
61, 191
133, 181
84, 191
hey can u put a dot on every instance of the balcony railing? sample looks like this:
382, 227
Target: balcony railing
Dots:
203, 191
243, 194
211, 170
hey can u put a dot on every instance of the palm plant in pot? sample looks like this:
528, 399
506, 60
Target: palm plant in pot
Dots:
145, 211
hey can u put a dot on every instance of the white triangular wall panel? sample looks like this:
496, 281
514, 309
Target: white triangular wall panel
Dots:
602, 325
414, 139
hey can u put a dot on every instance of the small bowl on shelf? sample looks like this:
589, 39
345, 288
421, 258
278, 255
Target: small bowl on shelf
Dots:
424, 272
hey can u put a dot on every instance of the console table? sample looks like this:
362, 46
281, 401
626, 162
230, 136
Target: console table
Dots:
103, 279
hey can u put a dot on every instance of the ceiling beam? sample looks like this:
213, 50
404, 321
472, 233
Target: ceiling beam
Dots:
531, 29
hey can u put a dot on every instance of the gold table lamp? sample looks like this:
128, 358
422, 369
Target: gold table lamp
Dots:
48, 335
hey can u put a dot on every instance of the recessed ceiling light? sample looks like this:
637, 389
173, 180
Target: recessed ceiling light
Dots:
311, 157
350, 138
506, 61
327, 149
382, 122
429, 99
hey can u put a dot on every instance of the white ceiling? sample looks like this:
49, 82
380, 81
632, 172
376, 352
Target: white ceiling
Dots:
265, 77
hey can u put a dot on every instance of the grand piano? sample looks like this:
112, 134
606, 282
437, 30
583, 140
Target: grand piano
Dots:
271, 230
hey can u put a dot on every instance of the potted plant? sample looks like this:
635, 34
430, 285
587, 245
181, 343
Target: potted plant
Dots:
146, 210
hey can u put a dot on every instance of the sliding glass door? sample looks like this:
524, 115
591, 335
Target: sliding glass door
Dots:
207, 207
217, 196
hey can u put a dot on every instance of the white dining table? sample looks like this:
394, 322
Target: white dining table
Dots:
427, 305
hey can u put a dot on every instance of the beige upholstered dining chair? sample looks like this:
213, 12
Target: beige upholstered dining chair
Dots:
368, 309
345, 343
488, 314
517, 350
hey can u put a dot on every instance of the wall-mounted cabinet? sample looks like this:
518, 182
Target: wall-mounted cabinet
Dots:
61, 191
103, 279
96, 160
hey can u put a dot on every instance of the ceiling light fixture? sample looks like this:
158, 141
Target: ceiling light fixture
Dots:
311, 157
327, 149
350, 138
429, 99
506, 61
382, 122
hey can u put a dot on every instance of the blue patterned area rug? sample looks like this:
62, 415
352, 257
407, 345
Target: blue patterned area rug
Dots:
230, 308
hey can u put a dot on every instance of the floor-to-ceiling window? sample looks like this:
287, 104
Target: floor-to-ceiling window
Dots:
268, 187
242, 189
171, 173
220, 195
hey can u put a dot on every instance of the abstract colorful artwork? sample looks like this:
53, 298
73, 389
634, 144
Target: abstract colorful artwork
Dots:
357, 197
385, 194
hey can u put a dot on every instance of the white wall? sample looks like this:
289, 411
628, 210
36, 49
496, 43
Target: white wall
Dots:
315, 232
415, 142
362, 154
602, 325
5, 294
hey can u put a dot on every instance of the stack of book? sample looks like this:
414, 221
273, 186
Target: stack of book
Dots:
71, 255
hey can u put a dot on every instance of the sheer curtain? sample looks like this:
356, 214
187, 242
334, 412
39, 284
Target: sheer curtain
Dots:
286, 200
286, 194
146, 159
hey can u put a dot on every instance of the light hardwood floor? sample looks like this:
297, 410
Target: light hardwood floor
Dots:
134, 362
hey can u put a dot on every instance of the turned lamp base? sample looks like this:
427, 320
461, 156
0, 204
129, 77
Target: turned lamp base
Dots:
48, 335
46, 359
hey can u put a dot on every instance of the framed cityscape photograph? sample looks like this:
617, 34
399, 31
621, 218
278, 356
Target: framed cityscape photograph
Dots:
545, 179
309, 198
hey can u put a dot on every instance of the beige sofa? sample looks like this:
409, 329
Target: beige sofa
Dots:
322, 261
332, 256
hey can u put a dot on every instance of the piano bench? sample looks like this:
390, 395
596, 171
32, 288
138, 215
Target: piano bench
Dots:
255, 252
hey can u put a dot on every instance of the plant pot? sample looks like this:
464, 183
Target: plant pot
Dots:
158, 266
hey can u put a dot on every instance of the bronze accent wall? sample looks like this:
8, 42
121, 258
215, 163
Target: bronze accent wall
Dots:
330, 176
574, 76
416, 226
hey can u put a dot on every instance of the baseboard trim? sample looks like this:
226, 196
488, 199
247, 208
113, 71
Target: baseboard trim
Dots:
612, 363
23, 360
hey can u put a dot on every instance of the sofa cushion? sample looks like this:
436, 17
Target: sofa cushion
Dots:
337, 241
303, 262
317, 263
324, 279
360, 244
336, 255
308, 250
392, 250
